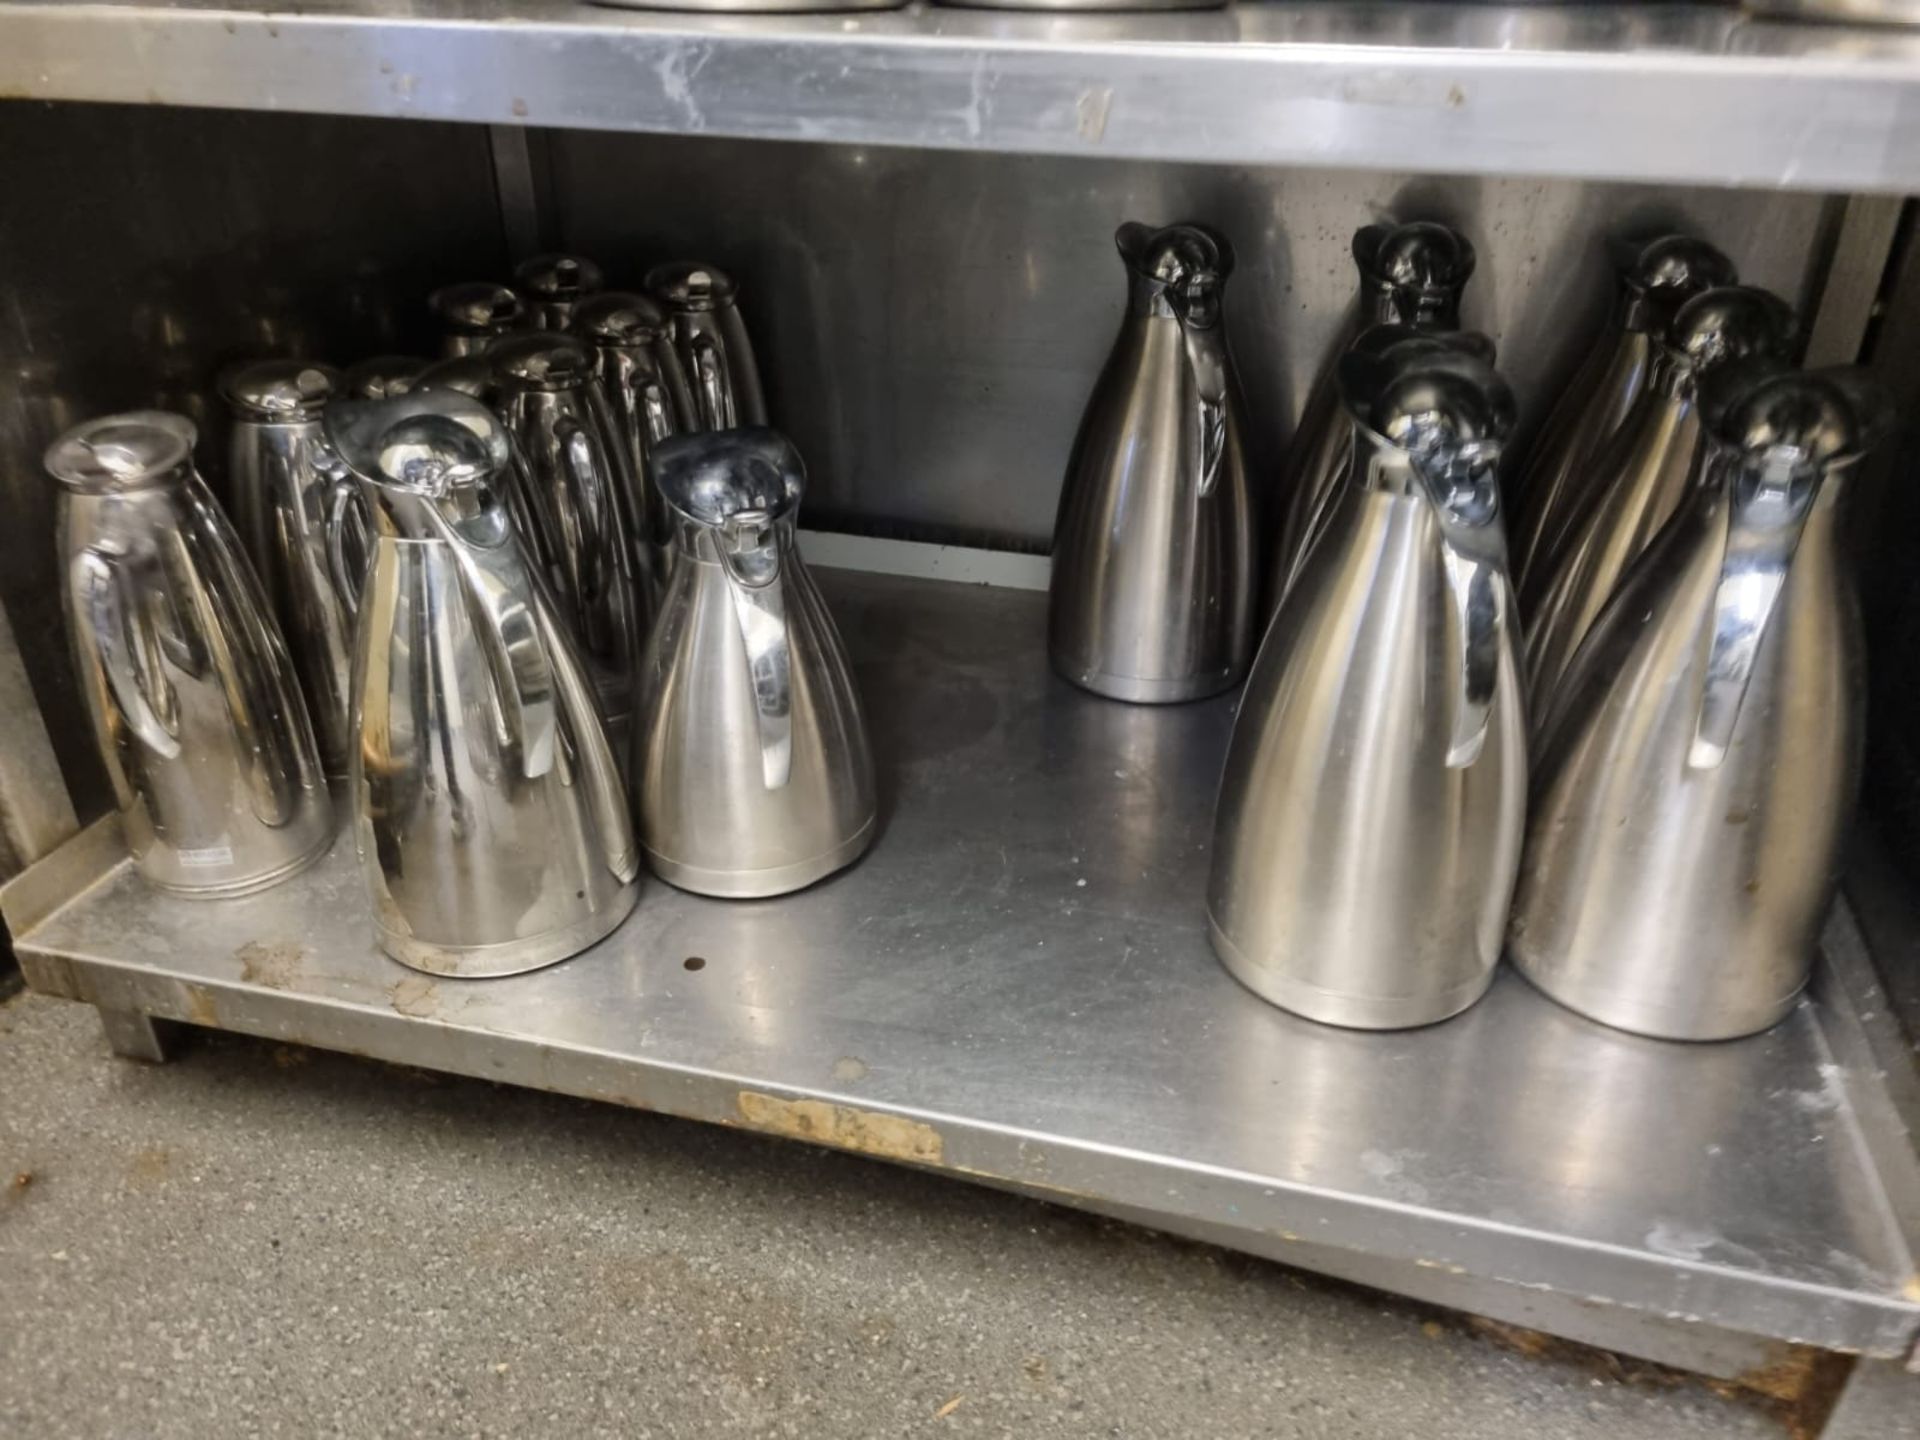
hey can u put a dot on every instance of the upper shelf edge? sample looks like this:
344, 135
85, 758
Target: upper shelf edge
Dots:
1626, 93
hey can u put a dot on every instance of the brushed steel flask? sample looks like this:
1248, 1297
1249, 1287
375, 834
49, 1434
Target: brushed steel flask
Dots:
1692, 794
551, 288
579, 501
1411, 275
1153, 551
751, 770
189, 686
703, 317
474, 314
279, 477
489, 811
1370, 812
649, 400
1639, 478
1653, 279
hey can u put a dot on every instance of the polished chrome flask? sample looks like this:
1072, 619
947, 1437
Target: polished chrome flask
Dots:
1639, 478
489, 812
751, 771
649, 399
379, 376
1693, 792
1153, 552
703, 315
474, 314
580, 502
1411, 275
1370, 813
551, 287
185, 677
1653, 279
279, 478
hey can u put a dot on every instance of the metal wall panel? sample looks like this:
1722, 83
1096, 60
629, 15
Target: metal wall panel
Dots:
932, 322
142, 249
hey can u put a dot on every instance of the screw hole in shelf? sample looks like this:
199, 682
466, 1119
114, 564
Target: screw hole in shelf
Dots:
694, 962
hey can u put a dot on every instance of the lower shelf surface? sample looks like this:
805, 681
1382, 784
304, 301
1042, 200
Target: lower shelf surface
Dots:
1015, 985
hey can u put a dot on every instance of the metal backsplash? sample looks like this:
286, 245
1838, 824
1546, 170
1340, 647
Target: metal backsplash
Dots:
931, 323
142, 249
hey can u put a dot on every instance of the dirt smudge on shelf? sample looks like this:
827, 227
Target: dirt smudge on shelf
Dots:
891, 1137
416, 996
272, 963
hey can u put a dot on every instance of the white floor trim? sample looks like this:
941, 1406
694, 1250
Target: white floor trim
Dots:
958, 563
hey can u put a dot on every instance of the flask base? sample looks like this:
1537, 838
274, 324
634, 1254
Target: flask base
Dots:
1654, 1021
759, 884
508, 957
246, 884
1345, 1009
1136, 690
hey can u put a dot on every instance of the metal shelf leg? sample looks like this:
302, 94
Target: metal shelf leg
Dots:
135, 1035
1881, 1402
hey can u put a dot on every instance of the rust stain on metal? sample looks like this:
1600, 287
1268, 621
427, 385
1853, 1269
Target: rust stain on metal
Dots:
201, 1009
891, 1137
272, 963
415, 996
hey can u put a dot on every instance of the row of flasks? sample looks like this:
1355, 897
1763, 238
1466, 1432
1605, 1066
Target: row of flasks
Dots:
546, 613
1618, 739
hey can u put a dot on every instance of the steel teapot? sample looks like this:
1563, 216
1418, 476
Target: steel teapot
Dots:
188, 683
751, 770
1370, 813
1153, 552
489, 812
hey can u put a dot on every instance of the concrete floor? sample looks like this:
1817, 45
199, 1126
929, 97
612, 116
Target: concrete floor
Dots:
256, 1240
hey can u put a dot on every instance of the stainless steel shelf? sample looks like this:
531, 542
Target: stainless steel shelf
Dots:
1014, 987
1667, 93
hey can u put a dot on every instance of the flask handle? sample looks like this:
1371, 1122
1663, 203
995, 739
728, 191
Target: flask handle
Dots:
713, 385
125, 650
1767, 507
1206, 355
749, 547
500, 589
1461, 482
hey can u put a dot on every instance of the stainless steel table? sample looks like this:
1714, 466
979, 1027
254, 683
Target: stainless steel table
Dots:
1014, 988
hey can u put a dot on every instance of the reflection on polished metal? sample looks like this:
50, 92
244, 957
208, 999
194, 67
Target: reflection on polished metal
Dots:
1083, 7
1409, 275
279, 478
382, 376
1638, 479
755, 7
1153, 554
1845, 12
191, 693
551, 287
557, 420
489, 812
711, 337
646, 390
473, 315
1654, 279
1370, 814
751, 770
1586, 90
1697, 779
